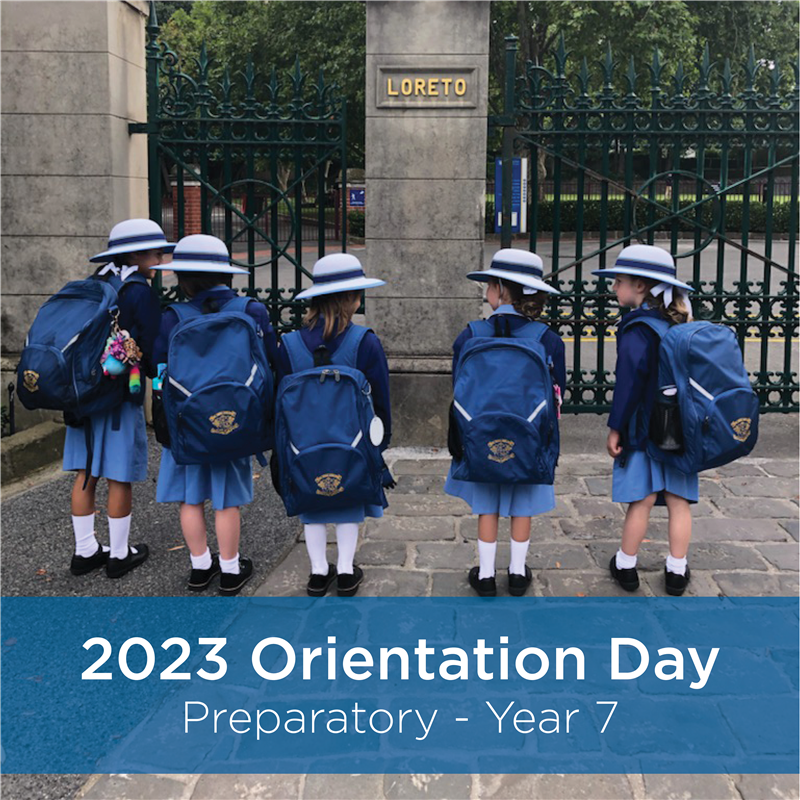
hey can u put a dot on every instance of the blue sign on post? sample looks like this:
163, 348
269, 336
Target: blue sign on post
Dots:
357, 198
519, 195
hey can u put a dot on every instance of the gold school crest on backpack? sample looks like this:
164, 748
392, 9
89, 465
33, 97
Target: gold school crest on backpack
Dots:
223, 422
329, 484
500, 450
741, 429
30, 379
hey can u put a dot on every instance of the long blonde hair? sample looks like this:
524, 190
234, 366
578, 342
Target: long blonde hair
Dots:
336, 309
676, 312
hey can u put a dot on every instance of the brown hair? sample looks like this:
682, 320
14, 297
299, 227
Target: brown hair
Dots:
335, 309
676, 313
529, 305
192, 283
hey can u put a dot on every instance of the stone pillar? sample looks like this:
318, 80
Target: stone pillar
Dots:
426, 109
73, 78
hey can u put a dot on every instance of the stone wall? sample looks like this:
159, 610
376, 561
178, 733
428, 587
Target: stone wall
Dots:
425, 178
73, 77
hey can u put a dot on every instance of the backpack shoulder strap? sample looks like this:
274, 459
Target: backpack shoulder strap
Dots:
481, 327
185, 311
659, 326
237, 303
534, 330
346, 353
299, 356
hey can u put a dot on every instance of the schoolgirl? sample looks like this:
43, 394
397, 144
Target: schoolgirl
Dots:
117, 438
645, 281
516, 294
202, 266
335, 295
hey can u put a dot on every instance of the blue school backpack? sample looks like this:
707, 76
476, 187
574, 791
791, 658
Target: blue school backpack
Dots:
322, 432
717, 407
59, 368
505, 406
218, 386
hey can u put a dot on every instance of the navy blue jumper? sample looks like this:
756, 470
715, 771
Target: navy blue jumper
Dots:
636, 378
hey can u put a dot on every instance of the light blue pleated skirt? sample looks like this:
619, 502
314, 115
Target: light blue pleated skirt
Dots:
119, 455
355, 514
226, 485
515, 500
641, 476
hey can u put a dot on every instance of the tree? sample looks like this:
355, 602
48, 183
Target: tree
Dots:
328, 36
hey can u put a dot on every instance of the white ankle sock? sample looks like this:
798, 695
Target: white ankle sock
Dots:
676, 565
519, 552
316, 540
85, 541
203, 561
119, 530
486, 558
346, 542
624, 561
230, 565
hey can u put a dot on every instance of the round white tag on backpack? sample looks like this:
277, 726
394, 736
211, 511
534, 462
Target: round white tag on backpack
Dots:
376, 431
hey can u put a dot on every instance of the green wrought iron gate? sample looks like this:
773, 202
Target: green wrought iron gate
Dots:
706, 172
250, 158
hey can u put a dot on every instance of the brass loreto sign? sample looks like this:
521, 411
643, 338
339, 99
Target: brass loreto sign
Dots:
427, 87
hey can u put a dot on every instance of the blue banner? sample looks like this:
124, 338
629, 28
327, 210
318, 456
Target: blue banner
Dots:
442, 685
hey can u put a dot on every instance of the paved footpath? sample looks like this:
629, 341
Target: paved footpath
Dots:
745, 543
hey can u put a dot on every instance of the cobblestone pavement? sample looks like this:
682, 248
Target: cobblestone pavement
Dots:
745, 543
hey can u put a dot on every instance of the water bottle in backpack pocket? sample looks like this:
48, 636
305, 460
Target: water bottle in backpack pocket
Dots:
59, 368
324, 416
717, 406
505, 408
218, 387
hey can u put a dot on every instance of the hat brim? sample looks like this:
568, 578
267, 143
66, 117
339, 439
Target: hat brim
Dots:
109, 254
659, 277
515, 277
202, 266
350, 285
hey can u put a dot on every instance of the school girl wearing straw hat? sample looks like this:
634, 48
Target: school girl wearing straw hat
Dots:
345, 354
508, 375
645, 281
113, 444
203, 267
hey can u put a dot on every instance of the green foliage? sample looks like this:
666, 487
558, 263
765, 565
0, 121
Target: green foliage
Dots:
615, 216
355, 223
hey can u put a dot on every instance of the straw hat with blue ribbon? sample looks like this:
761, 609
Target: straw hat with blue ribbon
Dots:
201, 253
655, 264
517, 266
132, 236
338, 272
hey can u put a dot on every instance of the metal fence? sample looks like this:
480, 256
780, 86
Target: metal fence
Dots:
239, 156
590, 144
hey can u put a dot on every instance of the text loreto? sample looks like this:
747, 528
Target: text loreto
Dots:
426, 87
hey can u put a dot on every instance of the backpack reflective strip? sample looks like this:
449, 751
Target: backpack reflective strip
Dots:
355, 441
536, 411
252, 375
696, 385
463, 412
179, 387
70, 342
294, 449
